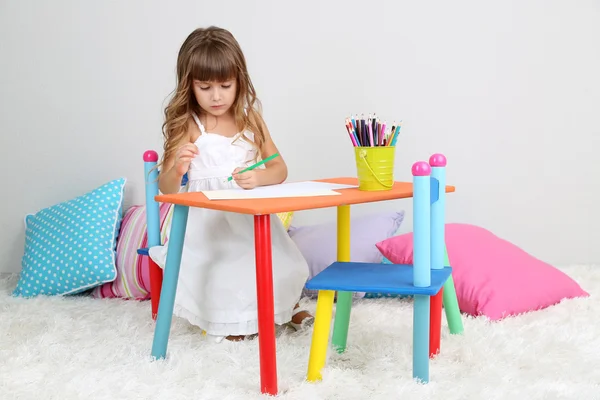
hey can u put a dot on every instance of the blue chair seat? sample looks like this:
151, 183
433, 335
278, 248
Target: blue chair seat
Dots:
394, 279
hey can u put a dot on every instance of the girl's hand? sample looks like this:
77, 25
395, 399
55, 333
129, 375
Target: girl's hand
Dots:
246, 180
183, 158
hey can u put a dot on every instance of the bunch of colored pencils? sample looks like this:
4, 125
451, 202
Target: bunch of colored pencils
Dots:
371, 132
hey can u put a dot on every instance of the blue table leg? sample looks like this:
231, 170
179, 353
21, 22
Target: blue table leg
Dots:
169, 286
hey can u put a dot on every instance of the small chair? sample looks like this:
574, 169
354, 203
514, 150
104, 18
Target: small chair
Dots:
153, 225
424, 279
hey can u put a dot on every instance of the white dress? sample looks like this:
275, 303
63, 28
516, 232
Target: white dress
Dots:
217, 280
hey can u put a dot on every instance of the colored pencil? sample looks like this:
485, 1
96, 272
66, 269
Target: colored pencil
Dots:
370, 131
258, 164
396, 133
351, 136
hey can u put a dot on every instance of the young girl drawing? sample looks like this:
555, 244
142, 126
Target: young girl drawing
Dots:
212, 129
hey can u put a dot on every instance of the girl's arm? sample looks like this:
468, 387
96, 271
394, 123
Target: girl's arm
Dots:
169, 181
174, 167
275, 171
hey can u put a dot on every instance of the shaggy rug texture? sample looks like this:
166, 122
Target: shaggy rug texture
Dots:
83, 348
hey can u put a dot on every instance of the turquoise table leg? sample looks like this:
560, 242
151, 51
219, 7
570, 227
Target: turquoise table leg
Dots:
169, 286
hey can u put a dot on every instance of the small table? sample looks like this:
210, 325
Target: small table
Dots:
262, 210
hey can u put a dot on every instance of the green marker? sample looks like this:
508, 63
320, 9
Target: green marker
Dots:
258, 164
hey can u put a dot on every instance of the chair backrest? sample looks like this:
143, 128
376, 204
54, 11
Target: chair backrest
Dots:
438, 210
151, 187
429, 204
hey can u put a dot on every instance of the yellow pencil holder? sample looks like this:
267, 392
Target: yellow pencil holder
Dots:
375, 167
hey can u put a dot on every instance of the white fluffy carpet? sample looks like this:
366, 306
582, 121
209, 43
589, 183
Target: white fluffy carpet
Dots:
82, 348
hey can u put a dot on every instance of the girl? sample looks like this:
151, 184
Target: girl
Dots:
213, 129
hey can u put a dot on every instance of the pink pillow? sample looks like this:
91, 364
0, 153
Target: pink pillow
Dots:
133, 274
492, 276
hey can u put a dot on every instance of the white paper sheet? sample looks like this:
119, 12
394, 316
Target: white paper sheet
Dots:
295, 189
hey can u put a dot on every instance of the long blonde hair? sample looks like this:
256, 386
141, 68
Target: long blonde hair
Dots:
210, 55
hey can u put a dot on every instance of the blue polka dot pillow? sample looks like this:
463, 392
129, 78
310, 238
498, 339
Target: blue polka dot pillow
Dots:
70, 247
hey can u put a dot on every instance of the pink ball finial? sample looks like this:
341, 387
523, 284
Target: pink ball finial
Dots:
150, 156
437, 160
421, 168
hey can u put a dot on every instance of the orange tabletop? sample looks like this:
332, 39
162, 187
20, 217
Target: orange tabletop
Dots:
400, 190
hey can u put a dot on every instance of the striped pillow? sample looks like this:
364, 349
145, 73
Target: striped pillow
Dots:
133, 274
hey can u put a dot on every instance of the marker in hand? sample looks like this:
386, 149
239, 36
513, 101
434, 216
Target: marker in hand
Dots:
258, 164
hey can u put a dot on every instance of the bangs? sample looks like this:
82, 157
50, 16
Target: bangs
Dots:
213, 65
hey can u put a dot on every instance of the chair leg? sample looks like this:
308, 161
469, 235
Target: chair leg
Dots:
451, 308
435, 324
420, 338
169, 287
320, 337
342, 321
450, 302
156, 278
344, 299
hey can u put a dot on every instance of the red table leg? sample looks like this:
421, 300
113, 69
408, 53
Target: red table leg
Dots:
266, 310
435, 323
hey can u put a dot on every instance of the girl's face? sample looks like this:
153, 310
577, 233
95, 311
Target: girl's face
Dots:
216, 98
